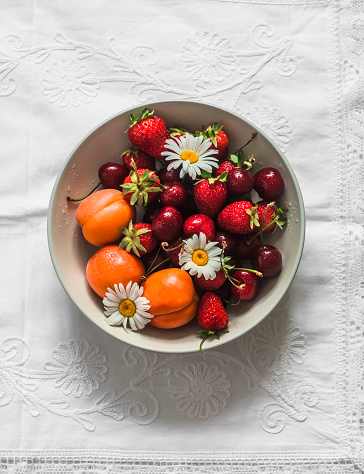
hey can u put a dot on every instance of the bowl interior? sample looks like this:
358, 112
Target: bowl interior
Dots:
70, 251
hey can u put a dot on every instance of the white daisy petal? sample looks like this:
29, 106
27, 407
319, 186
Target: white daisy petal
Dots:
115, 316
210, 265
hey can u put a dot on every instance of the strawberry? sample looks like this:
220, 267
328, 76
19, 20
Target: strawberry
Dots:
210, 194
141, 159
138, 239
210, 285
141, 186
211, 317
266, 213
238, 217
148, 133
219, 139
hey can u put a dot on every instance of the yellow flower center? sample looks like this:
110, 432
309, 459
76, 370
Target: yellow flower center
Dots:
199, 257
190, 156
127, 308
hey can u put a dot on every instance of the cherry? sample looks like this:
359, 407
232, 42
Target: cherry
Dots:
199, 223
267, 259
112, 175
175, 195
168, 175
142, 160
151, 260
268, 183
245, 246
229, 239
151, 212
251, 285
172, 250
168, 224
224, 166
239, 181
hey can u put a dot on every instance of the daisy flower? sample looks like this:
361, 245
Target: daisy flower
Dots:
200, 258
127, 305
191, 153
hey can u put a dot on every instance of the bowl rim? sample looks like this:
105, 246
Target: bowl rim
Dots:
226, 339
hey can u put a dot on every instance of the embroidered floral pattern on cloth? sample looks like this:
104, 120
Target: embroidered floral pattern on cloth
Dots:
287, 396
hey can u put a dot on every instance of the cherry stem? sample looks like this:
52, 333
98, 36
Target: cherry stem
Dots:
254, 134
81, 199
261, 231
259, 274
166, 249
159, 264
153, 262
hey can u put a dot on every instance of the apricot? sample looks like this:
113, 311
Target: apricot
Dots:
168, 290
110, 265
176, 319
102, 214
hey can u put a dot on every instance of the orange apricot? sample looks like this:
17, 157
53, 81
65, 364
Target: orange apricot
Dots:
102, 214
110, 265
176, 319
168, 290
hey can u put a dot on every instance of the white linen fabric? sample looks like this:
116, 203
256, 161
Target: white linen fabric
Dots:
288, 396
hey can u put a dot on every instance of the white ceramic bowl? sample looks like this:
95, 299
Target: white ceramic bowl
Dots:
70, 252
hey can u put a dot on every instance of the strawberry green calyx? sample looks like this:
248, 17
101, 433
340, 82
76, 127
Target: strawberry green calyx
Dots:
204, 335
279, 217
141, 186
254, 216
241, 162
131, 241
176, 132
130, 151
210, 132
206, 175
146, 113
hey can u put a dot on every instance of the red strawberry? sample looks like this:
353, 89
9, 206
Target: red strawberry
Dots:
141, 159
267, 212
211, 317
138, 239
219, 139
210, 285
238, 217
224, 167
210, 195
199, 223
148, 133
141, 186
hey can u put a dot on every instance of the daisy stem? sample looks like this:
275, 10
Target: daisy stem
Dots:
81, 199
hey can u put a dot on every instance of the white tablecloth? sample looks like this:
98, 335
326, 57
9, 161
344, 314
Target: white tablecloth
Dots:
288, 397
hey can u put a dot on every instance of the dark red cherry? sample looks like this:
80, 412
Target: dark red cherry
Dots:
239, 181
245, 246
251, 285
229, 239
175, 195
168, 175
151, 212
199, 223
151, 257
168, 224
268, 183
112, 175
172, 251
267, 259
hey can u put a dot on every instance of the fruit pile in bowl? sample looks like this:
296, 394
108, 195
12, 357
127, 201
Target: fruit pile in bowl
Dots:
176, 227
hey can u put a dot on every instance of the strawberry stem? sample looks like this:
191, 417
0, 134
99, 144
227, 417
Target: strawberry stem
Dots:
81, 199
